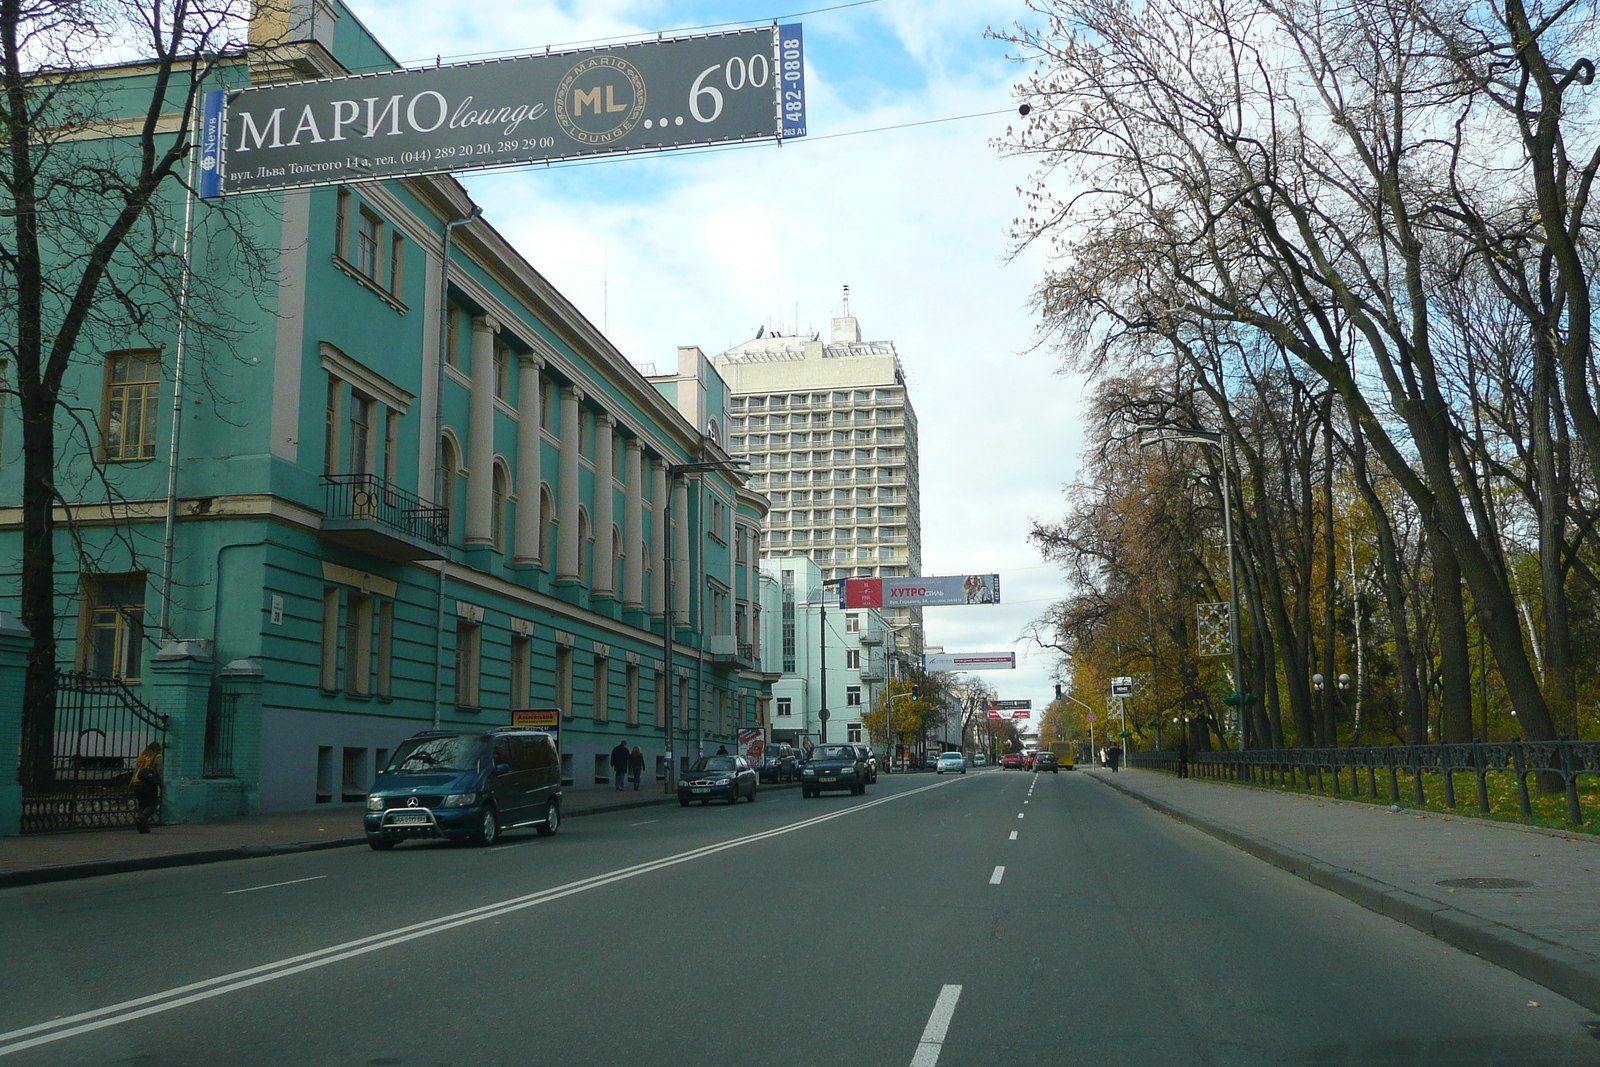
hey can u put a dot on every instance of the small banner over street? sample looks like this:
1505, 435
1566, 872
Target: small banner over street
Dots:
969, 661
922, 592
1011, 705
718, 88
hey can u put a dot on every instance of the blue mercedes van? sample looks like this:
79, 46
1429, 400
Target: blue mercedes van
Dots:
466, 785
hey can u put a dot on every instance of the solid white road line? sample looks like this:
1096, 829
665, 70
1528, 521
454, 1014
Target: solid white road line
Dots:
155, 1003
647, 822
1013, 835
938, 1023
999, 873
274, 885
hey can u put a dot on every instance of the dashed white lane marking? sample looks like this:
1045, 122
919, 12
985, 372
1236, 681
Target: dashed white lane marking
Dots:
274, 885
938, 1023
647, 822
999, 873
1019, 814
1013, 835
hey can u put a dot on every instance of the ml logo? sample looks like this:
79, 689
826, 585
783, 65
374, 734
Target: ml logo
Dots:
600, 100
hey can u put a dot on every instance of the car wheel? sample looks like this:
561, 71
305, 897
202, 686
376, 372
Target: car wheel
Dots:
733, 794
380, 844
805, 793
489, 832
963, 770
552, 819
753, 791
704, 801
683, 802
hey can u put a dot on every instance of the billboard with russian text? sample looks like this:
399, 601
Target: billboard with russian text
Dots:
682, 92
922, 592
969, 661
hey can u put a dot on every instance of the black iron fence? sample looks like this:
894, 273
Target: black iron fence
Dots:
100, 729
370, 498
222, 705
1562, 759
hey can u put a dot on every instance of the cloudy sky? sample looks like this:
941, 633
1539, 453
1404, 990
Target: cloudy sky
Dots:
706, 247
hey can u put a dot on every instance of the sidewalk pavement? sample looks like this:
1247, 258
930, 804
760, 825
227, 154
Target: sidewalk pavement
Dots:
1523, 900
38, 858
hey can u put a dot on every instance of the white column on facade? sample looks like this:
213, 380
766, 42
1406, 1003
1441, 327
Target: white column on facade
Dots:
658, 534
680, 552
632, 526
480, 435
567, 546
605, 517
525, 537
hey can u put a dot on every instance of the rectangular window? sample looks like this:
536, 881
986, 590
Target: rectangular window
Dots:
720, 622
113, 640
452, 336
469, 636
324, 774
358, 644
353, 777
661, 700
333, 415
788, 621
602, 689
585, 441
361, 412
397, 259
521, 653
330, 639
385, 641
632, 694
369, 236
341, 219
852, 659
852, 732
547, 414
564, 681
852, 696
739, 555
785, 707
852, 624
132, 394
502, 371
391, 445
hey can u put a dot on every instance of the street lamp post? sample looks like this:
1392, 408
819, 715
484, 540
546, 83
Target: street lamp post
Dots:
668, 613
1211, 437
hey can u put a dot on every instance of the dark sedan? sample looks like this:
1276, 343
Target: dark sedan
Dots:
834, 767
717, 778
779, 765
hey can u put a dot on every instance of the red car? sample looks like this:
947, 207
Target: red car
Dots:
1027, 761
1011, 761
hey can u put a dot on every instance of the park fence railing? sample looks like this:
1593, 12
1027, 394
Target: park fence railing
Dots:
1311, 767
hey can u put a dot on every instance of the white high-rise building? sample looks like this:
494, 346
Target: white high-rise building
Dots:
831, 437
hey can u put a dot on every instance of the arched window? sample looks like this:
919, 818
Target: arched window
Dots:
585, 548
620, 563
497, 517
547, 528
449, 468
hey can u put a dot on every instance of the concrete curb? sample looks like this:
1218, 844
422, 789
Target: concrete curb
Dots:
66, 872
1573, 974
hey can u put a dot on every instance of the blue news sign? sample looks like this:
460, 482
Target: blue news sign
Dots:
683, 92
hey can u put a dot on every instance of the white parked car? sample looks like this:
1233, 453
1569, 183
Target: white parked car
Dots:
950, 761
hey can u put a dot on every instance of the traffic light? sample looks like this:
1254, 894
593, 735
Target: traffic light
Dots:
1233, 700
1058, 690
916, 691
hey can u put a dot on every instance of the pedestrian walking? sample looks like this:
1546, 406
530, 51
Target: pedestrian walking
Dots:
147, 785
722, 750
636, 766
619, 763
1183, 753
1114, 757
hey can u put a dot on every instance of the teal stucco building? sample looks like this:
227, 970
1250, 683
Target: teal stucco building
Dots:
410, 492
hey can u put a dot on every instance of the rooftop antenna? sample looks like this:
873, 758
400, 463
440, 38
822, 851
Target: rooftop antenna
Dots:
846, 303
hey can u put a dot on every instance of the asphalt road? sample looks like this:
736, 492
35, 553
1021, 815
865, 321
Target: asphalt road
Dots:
991, 918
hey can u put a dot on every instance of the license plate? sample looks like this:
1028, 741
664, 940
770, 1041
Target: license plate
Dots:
830, 779
409, 819
705, 789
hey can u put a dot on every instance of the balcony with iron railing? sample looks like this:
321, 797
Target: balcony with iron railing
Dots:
369, 514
